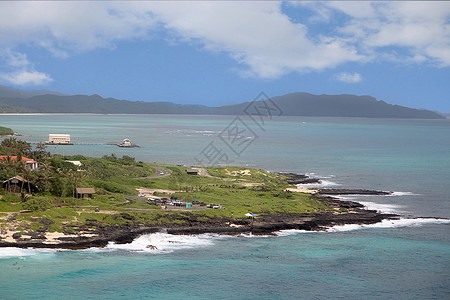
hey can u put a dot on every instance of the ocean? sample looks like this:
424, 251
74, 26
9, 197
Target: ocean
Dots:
404, 259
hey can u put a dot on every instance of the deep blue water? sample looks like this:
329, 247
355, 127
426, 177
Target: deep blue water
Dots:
409, 259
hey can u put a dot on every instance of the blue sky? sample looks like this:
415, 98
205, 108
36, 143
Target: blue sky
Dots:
217, 53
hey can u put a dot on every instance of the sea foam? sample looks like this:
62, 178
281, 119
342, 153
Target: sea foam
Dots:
161, 242
287, 232
8, 252
322, 184
402, 194
402, 222
382, 207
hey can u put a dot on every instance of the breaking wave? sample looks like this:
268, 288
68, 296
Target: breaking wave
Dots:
23, 252
161, 242
402, 222
382, 208
323, 183
386, 208
402, 194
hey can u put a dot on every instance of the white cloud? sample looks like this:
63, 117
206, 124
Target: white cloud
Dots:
256, 34
14, 59
421, 29
259, 36
349, 77
64, 29
19, 71
70, 27
26, 77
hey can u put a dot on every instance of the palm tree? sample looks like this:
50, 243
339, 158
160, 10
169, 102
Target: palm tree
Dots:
20, 167
16, 146
11, 168
45, 174
40, 153
79, 177
65, 177
28, 175
8, 165
73, 180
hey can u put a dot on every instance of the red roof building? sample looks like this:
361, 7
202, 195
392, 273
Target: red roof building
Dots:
30, 163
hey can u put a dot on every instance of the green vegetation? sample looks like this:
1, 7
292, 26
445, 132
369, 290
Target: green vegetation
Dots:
53, 206
6, 131
37, 203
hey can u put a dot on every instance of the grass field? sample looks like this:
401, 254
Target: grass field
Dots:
238, 190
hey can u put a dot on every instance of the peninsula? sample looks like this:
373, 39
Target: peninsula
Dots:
78, 202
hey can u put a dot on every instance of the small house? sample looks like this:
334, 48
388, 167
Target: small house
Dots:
86, 193
76, 163
192, 171
29, 163
18, 184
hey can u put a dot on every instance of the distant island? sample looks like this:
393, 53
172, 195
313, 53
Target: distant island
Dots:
294, 104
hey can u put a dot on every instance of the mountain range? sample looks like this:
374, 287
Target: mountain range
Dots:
294, 104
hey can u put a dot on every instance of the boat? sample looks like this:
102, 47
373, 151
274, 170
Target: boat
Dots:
127, 144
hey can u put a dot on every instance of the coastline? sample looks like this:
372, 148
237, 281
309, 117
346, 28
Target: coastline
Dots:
97, 235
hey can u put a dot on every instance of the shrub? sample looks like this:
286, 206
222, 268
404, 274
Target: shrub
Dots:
37, 203
284, 194
113, 187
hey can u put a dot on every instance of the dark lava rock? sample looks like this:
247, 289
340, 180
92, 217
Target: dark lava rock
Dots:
42, 229
36, 235
45, 221
293, 178
16, 235
127, 216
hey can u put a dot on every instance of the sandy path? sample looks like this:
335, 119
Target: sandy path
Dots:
149, 192
245, 172
302, 190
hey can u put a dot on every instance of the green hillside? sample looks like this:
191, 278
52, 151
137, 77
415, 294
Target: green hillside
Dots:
6, 131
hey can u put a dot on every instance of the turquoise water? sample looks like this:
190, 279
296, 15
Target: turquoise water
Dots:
364, 264
408, 259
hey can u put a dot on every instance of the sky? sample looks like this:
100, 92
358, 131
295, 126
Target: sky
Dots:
218, 53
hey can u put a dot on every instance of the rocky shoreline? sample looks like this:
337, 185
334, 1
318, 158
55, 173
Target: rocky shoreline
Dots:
294, 179
97, 235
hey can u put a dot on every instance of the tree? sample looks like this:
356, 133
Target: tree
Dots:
10, 167
20, 167
40, 147
44, 175
72, 178
64, 179
28, 175
37, 203
14, 146
78, 178
40, 153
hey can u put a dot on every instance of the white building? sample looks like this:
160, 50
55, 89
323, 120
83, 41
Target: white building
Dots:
59, 138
